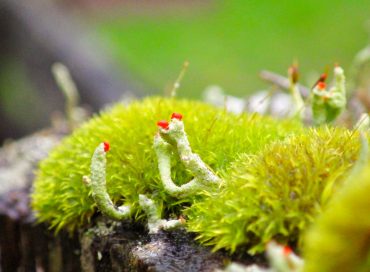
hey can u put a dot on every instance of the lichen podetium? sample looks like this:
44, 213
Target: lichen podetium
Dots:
327, 104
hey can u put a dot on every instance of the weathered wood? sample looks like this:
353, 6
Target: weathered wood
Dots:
126, 246
282, 82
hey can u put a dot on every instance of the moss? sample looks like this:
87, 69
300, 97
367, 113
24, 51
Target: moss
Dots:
275, 194
340, 240
61, 198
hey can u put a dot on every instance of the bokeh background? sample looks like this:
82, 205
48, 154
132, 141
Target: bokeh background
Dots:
116, 48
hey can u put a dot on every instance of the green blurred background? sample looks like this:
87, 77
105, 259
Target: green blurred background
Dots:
229, 42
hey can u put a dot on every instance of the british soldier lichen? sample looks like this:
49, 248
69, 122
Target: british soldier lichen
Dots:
98, 185
61, 198
173, 137
327, 104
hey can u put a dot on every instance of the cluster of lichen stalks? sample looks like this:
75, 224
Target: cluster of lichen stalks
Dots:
270, 179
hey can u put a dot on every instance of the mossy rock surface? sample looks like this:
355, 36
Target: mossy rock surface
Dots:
61, 198
277, 193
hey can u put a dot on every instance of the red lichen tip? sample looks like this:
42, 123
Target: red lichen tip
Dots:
321, 85
163, 124
176, 115
287, 250
106, 146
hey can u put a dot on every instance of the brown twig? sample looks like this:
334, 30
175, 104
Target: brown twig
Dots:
282, 82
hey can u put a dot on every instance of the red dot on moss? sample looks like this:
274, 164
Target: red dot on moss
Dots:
163, 124
321, 85
287, 250
176, 115
106, 146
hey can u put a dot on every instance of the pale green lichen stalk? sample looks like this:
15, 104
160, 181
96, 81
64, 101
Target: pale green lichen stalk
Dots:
328, 104
282, 258
155, 223
294, 91
66, 84
172, 136
98, 185
363, 123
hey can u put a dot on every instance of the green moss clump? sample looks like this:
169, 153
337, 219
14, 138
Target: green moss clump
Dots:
277, 193
340, 240
61, 198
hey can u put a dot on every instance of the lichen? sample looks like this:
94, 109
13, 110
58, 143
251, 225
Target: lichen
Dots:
327, 104
61, 198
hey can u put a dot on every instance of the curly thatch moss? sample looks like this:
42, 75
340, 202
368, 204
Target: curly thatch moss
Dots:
60, 196
275, 194
340, 240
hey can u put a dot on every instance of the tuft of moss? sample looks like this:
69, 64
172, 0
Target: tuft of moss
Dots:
340, 239
61, 198
275, 194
